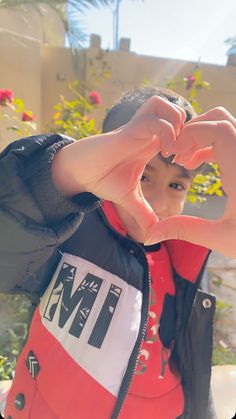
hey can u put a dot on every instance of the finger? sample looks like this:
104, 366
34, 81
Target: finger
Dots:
196, 160
141, 133
201, 135
183, 114
221, 136
150, 151
143, 215
130, 142
163, 109
216, 114
216, 235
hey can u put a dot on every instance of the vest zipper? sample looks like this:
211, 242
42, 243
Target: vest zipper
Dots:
134, 356
144, 320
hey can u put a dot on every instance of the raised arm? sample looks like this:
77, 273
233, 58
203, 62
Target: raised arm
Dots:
43, 179
111, 165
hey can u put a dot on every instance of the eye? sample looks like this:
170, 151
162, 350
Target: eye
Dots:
177, 186
144, 178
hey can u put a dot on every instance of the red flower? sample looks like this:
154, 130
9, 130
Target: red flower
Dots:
95, 98
27, 116
6, 97
190, 80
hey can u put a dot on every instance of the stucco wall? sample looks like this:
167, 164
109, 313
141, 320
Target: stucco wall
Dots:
129, 70
20, 71
38, 68
58, 70
41, 24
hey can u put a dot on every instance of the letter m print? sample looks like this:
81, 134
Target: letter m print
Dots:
65, 300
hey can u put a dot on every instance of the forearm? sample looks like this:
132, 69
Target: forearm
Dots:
77, 166
63, 171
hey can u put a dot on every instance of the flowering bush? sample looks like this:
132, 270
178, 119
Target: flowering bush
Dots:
73, 117
28, 116
14, 116
190, 80
6, 97
94, 98
192, 83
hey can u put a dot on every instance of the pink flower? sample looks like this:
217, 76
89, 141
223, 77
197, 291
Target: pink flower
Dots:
190, 80
27, 116
95, 98
6, 97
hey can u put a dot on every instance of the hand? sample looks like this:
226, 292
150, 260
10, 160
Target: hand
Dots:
111, 165
208, 137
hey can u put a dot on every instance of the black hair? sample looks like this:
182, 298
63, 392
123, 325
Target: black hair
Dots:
126, 107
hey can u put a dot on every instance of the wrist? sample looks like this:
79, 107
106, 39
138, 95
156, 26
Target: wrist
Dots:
64, 176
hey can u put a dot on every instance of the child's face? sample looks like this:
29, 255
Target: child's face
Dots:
165, 187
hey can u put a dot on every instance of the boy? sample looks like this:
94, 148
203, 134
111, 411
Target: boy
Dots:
84, 357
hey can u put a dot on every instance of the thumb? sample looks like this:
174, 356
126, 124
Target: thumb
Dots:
144, 218
213, 234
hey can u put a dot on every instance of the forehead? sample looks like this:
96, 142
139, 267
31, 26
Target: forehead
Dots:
158, 164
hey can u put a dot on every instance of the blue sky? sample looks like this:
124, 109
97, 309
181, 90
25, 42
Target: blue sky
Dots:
181, 29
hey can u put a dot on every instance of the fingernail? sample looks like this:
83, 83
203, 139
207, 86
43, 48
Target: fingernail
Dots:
177, 160
165, 153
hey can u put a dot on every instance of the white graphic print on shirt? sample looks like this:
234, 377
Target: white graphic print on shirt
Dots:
86, 309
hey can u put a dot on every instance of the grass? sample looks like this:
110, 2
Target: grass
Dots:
223, 356
15, 314
223, 353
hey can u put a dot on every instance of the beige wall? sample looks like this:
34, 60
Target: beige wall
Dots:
39, 72
20, 71
41, 24
58, 70
129, 70
23, 32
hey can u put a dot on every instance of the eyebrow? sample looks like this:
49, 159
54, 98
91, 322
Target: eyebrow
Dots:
183, 173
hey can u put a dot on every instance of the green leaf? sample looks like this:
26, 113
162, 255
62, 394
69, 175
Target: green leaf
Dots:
192, 94
14, 128
198, 75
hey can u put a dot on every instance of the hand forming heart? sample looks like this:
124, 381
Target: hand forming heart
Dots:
111, 165
209, 137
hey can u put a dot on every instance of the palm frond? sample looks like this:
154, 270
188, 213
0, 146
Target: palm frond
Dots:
70, 12
80, 5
